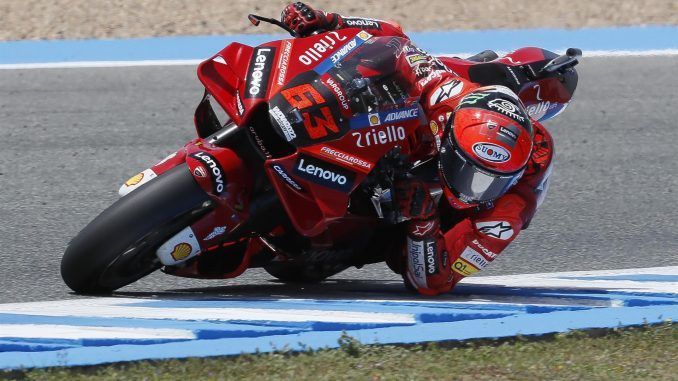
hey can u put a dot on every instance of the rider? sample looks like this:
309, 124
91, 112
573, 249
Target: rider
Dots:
491, 160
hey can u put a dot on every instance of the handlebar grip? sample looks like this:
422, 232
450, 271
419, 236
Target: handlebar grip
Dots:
573, 52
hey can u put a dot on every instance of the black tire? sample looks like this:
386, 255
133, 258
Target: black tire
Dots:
118, 247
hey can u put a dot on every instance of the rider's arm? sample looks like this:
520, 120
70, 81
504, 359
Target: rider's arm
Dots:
305, 20
476, 241
435, 260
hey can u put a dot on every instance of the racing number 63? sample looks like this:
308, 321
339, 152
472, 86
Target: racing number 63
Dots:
305, 96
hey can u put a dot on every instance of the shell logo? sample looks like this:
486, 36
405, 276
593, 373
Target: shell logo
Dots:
364, 35
134, 180
434, 127
181, 251
374, 119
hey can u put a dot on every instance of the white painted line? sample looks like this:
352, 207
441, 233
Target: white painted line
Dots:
124, 308
71, 332
559, 280
195, 62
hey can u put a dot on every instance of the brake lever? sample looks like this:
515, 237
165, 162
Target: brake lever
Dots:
256, 20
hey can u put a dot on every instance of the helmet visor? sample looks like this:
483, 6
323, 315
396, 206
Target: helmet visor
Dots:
467, 181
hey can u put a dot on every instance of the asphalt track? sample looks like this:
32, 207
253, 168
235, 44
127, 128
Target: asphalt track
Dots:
70, 137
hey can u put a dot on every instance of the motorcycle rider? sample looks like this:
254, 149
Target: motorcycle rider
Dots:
491, 160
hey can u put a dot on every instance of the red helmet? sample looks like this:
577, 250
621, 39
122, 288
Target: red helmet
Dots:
487, 149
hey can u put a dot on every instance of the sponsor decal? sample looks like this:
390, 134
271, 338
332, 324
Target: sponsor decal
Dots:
284, 62
538, 110
463, 268
497, 229
238, 103
510, 132
324, 173
431, 257
484, 250
446, 91
474, 257
374, 119
434, 127
385, 117
283, 123
491, 152
219, 230
199, 171
416, 260
134, 180
215, 170
473, 98
317, 51
181, 251
428, 73
354, 22
259, 72
342, 52
422, 71
346, 158
260, 143
416, 59
507, 108
379, 136
285, 176
401, 115
339, 92
179, 248
422, 228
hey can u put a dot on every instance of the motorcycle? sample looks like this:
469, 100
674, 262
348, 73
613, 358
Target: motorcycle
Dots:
299, 142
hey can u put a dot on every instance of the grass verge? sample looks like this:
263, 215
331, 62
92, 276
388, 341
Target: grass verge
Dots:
647, 353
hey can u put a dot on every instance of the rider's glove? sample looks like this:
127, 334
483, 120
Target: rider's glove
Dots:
303, 19
414, 199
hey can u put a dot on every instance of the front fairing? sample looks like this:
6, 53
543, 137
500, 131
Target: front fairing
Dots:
334, 102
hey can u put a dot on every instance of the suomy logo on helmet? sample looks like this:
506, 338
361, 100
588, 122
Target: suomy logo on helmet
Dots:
491, 152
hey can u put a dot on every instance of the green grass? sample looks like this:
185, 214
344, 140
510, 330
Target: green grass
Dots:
648, 353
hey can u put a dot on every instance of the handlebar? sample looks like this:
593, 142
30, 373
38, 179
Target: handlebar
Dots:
569, 59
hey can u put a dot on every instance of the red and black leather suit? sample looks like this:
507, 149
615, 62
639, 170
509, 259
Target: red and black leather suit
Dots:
460, 238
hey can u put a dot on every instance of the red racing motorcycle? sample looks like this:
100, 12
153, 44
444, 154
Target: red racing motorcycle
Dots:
299, 144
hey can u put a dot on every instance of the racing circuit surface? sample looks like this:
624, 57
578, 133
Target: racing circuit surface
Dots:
70, 137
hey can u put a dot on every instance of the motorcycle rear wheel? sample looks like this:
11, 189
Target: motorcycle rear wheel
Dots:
118, 247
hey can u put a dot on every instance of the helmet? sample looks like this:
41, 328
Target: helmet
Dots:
486, 150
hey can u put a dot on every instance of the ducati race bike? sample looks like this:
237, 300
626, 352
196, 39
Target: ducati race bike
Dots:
299, 142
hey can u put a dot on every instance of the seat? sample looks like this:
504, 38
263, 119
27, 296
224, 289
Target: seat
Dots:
484, 56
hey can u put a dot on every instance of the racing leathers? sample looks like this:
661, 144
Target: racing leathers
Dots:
447, 240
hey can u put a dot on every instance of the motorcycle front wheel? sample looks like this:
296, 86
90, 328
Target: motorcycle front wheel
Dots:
118, 247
